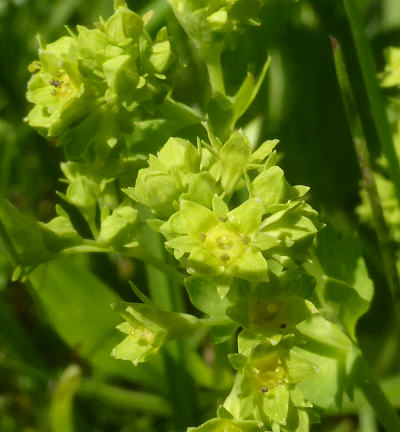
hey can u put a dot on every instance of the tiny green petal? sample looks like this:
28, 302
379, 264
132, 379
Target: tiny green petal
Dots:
247, 217
264, 241
219, 206
250, 265
197, 219
203, 262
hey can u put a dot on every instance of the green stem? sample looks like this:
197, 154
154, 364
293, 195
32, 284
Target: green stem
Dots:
376, 103
215, 73
91, 246
367, 419
123, 399
384, 412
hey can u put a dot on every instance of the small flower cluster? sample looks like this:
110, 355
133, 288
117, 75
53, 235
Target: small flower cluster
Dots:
246, 258
92, 83
214, 24
188, 189
225, 210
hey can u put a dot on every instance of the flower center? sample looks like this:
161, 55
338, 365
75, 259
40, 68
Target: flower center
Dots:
265, 313
63, 87
268, 373
142, 333
224, 243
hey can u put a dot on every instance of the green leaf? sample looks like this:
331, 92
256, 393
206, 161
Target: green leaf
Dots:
31, 242
328, 349
248, 91
343, 285
203, 293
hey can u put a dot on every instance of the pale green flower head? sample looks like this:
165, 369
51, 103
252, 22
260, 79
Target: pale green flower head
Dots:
266, 385
116, 64
148, 328
238, 242
218, 241
391, 73
213, 24
57, 88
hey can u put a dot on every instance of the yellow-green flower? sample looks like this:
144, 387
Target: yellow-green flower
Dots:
219, 241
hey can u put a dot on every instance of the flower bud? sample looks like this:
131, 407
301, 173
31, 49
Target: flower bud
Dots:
180, 155
119, 228
156, 190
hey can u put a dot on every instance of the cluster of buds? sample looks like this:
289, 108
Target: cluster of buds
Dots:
89, 85
188, 188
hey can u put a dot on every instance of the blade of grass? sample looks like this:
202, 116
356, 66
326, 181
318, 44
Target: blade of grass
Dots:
377, 106
370, 388
356, 129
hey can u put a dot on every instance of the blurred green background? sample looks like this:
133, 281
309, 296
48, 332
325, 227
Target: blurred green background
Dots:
46, 327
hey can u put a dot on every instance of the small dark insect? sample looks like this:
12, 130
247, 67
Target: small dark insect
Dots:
223, 218
264, 389
283, 326
55, 83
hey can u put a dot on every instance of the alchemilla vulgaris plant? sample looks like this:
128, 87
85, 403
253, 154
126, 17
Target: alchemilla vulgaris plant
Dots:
188, 189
